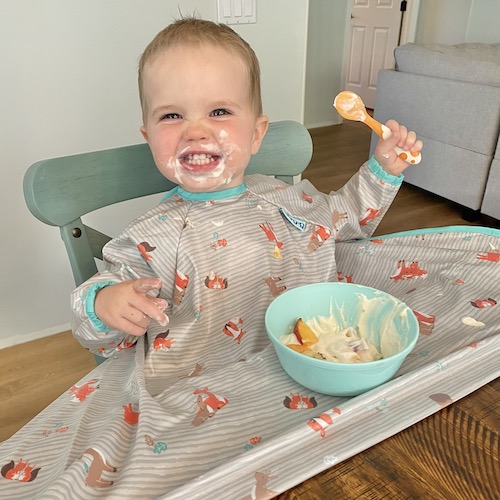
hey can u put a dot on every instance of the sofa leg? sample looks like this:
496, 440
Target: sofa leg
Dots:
470, 215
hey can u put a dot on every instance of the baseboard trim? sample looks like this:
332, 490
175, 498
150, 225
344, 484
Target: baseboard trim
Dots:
321, 124
22, 338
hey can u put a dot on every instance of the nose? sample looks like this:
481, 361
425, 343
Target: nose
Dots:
197, 130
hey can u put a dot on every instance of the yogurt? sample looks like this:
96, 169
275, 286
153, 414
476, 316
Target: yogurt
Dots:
374, 336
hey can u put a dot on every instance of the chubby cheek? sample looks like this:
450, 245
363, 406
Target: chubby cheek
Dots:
165, 159
236, 151
169, 168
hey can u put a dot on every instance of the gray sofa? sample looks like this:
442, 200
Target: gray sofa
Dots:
450, 95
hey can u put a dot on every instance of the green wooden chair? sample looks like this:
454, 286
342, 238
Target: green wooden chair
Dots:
59, 191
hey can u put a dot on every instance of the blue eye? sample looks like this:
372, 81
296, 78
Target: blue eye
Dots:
220, 112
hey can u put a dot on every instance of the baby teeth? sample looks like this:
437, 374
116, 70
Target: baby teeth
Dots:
199, 159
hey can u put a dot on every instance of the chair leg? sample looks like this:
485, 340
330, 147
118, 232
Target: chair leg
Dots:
99, 359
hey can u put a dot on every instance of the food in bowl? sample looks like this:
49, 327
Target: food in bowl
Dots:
323, 338
385, 321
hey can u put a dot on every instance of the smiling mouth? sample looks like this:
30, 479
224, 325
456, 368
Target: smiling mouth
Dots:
200, 162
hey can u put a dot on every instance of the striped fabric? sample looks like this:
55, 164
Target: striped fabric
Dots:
201, 408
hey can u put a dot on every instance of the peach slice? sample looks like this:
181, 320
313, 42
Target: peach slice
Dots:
304, 333
299, 348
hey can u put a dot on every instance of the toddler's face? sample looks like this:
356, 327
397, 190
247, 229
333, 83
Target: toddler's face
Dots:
200, 124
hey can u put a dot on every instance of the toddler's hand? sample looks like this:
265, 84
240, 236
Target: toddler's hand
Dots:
127, 307
401, 137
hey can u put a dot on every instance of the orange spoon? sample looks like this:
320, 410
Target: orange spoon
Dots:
351, 107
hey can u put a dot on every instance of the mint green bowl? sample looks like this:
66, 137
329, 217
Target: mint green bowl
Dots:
388, 323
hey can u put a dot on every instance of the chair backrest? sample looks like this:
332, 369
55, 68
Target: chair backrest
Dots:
59, 191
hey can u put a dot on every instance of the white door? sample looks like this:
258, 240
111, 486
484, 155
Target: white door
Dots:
375, 26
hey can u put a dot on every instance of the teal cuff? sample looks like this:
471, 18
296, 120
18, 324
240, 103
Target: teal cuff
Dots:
89, 305
377, 169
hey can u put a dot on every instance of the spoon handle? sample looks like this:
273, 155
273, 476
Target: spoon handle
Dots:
375, 125
385, 132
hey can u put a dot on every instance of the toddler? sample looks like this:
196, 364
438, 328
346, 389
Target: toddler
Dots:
198, 271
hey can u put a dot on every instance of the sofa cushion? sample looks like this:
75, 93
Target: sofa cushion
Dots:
462, 114
466, 62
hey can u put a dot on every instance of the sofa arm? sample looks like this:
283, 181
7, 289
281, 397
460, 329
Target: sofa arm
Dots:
491, 201
458, 122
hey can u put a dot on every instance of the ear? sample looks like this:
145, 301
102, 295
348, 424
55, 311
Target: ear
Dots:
144, 133
260, 131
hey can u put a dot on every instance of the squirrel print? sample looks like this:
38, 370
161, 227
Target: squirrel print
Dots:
370, 214
482, 303
405, 272
425, 322
162, 343
215, 282
181, 283
144, 248
234, 329
130, 415
80, 392
22, 471
319, 235
298, 402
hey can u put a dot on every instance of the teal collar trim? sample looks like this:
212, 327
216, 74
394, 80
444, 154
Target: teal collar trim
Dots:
207, 196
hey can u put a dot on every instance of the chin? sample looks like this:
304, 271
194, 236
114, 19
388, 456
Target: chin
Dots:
204, 183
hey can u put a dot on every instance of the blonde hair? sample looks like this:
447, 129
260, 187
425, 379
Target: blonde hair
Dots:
193, 31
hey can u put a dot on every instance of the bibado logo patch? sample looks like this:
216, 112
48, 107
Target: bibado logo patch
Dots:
298, 223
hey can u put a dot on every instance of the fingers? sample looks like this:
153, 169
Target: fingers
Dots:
127, 307
134, 322
145, 285
417, 146
402, 137
150, 307
408, 140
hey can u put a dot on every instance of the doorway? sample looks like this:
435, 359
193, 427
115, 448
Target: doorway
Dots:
375, 29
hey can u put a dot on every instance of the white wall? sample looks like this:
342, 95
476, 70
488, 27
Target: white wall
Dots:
458, 21
69, 85
484, 22
325, 51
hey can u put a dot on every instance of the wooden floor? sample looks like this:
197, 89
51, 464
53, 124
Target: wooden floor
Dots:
35, 373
